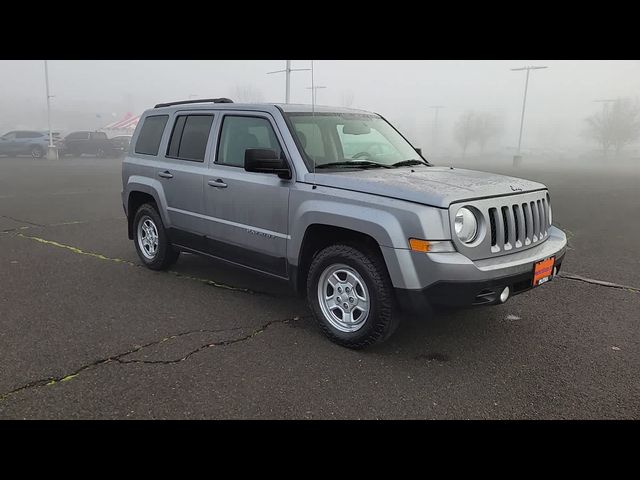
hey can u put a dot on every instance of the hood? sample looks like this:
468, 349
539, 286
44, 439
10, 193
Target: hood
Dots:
435, 186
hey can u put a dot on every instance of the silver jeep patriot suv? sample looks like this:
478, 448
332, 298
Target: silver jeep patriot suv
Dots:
337, 202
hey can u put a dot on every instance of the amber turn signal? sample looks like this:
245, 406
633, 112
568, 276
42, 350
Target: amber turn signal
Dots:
418, 245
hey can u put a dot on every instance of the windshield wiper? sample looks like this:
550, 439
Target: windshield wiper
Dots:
358, 164
406, 163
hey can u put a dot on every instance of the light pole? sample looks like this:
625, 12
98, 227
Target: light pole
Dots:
518, 158
435, 126
52, 152
288, 71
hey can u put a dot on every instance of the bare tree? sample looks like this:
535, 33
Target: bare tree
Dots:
463, 130
486, 126
247, 94
616, 125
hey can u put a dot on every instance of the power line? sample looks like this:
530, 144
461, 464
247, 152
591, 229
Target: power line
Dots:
288, 71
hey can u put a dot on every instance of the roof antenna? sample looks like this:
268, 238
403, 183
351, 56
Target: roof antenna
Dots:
313, 110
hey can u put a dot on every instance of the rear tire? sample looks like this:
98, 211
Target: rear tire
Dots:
37, 151
151, 240
362, 284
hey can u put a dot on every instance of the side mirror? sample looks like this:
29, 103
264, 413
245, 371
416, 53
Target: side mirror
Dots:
265, 160
419, 150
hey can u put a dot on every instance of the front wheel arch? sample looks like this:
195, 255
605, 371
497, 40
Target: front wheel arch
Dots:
318, 236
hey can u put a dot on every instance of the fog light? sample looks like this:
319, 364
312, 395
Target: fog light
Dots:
504, 295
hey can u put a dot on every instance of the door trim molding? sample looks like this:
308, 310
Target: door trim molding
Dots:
233, 224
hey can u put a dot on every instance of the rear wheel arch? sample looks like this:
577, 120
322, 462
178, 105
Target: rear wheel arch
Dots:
135, 201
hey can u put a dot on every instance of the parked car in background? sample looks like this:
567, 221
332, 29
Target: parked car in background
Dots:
92, 143
26, 142
121, 143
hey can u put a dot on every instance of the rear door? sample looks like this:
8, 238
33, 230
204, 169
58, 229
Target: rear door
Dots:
247, 212
76, 142
181, 170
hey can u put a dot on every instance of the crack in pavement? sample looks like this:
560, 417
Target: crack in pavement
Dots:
44, 382
132, 264
220, 343
22, 221
601, 283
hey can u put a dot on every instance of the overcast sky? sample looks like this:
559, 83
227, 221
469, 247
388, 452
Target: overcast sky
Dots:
558, 100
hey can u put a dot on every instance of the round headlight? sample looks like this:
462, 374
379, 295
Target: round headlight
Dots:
466, 225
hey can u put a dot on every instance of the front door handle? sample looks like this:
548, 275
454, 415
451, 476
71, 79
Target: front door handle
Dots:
165, 174
217, 183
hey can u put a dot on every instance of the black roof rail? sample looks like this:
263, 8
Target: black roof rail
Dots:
204, 100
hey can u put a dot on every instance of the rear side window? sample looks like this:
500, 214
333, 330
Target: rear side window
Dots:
98, 135
148, 141
189, 137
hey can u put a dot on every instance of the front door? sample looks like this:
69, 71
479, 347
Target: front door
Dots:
247, 212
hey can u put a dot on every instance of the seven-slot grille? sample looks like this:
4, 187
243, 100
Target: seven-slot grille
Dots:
506, 224
518, 224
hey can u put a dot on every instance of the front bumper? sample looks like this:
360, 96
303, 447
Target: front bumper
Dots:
451, 279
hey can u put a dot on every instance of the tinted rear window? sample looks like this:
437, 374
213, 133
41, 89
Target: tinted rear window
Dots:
189, 137
150, 135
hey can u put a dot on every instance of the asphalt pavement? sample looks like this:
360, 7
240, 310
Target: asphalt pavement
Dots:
87, 332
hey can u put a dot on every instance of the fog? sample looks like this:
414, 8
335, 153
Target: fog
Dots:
88, 94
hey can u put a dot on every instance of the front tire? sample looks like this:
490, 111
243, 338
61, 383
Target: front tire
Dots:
351, 296
151, 240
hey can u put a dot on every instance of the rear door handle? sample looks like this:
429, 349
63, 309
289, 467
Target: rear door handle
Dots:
217, 183
165, 174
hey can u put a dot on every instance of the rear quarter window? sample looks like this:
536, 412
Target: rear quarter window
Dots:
148, 142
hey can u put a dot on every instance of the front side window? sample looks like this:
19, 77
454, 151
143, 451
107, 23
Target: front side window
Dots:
189, 137
240, 133
349, 140
98, 136
148, 142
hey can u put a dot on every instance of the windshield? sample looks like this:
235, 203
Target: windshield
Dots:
347, 140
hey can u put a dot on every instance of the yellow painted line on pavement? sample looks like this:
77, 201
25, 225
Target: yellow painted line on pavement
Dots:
127, 262
75, 249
